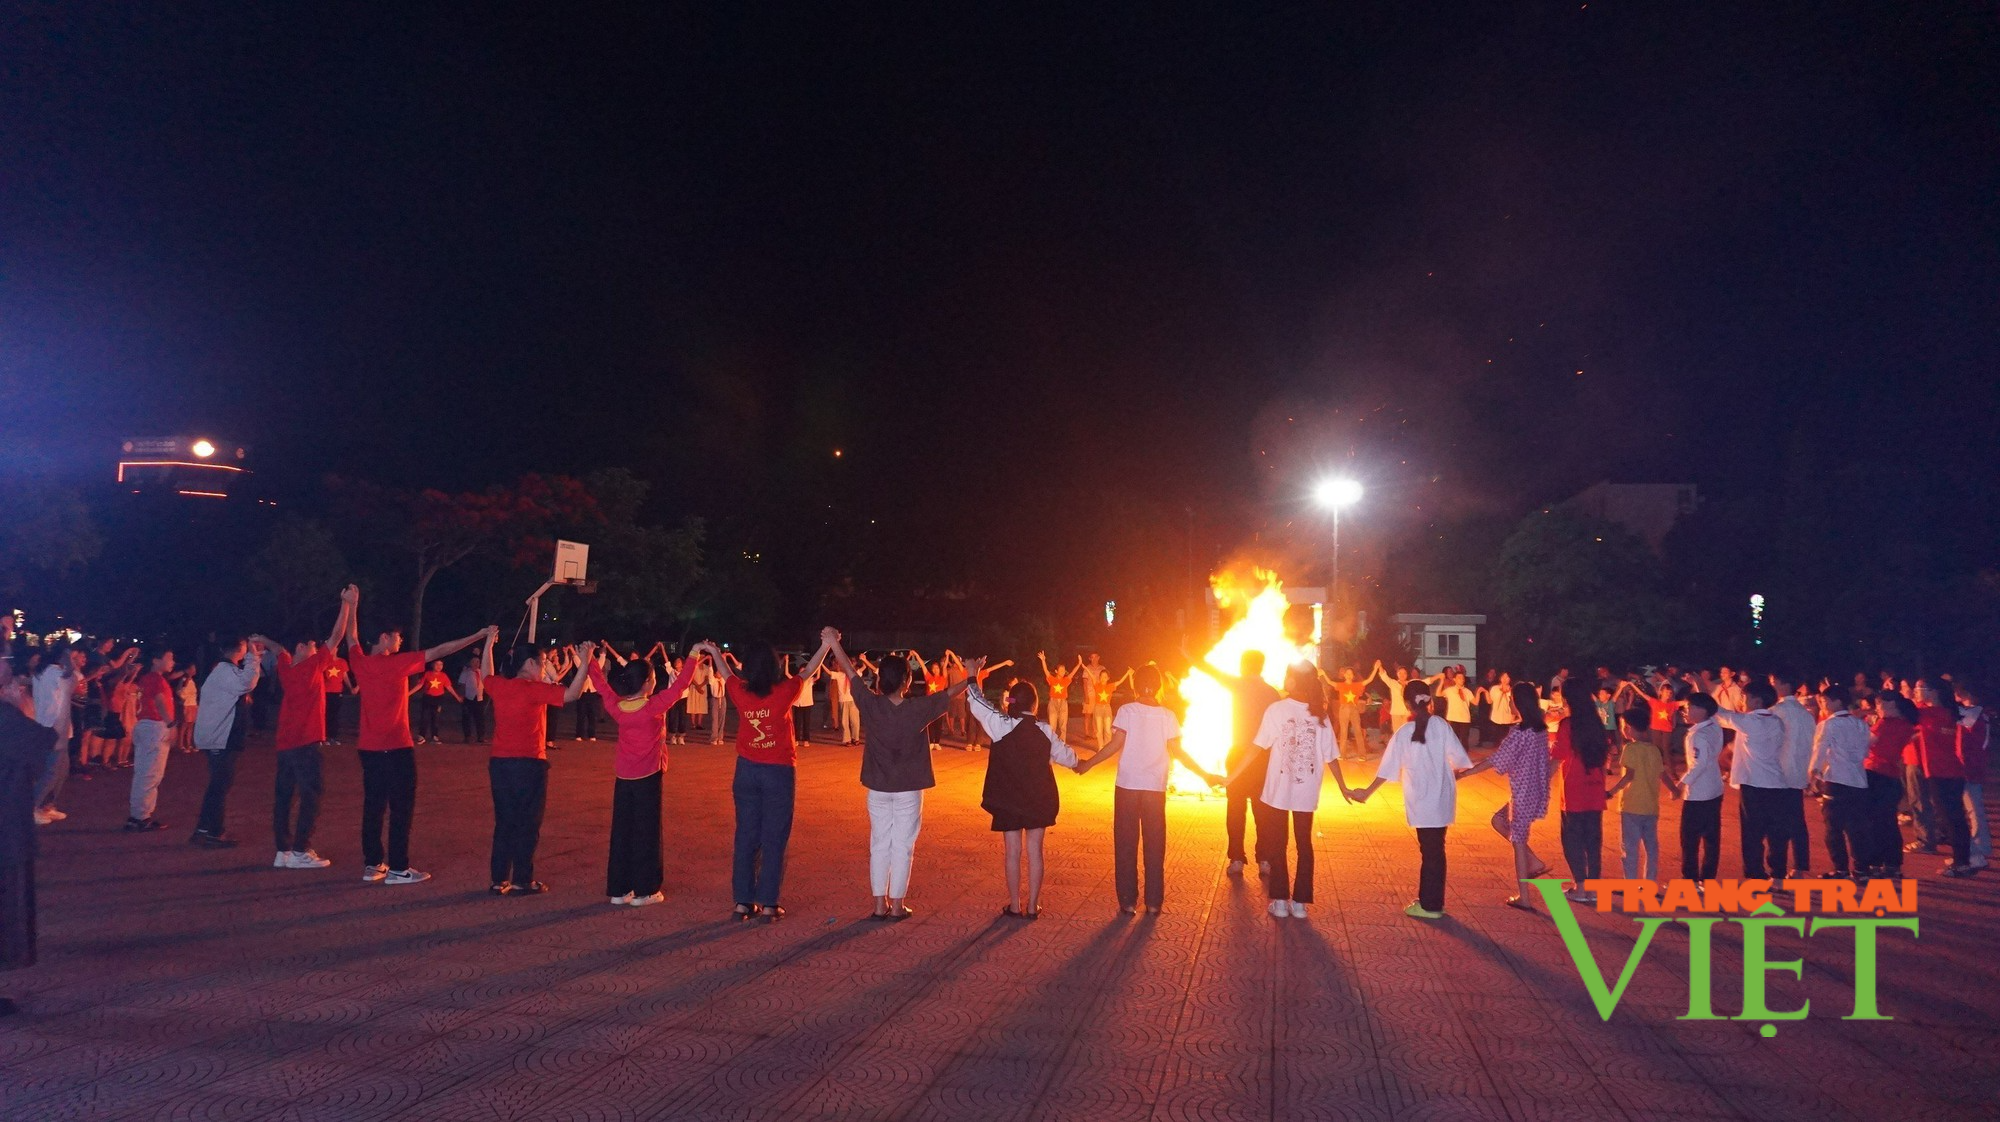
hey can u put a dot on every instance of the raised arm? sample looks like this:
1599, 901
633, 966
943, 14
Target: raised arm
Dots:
580, 674
841, 660
827, 636
349, 596
486, 663
432, 654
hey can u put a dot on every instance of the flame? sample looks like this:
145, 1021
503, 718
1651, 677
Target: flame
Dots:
1261, 625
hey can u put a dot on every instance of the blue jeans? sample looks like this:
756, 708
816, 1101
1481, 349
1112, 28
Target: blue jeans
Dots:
1975, 805
763, 794
1638, 830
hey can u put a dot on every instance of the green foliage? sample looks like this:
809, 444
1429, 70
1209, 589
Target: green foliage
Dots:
46, 530
1585, 590
300, 570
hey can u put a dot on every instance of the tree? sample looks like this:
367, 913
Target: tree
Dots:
437, 530
1581, 590
47, 529
299, 569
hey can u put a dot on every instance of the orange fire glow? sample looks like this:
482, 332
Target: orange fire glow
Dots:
1257, 599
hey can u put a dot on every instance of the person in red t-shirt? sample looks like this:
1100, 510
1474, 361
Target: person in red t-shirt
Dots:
337, 683
432, 689
766, 778
1581, 745
1058, 681
519, 765
388, 755
149, 742
301, 728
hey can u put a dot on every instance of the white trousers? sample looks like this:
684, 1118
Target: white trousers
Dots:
893, 819
149, 764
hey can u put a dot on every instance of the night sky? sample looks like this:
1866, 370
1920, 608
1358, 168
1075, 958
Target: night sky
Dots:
1024, 271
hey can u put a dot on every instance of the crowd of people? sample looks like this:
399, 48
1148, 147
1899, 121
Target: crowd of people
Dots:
1878, 754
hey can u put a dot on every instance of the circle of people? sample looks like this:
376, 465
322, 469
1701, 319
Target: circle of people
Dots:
1875, 757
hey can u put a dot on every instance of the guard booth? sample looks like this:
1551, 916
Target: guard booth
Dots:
1441, 641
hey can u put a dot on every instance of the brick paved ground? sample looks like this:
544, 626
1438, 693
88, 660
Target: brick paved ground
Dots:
187, 984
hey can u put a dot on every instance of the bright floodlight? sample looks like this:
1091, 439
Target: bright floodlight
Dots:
1336, 493
202, 448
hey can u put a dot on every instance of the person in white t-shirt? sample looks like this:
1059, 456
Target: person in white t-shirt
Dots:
1426, 757
1297, 738
1147, 739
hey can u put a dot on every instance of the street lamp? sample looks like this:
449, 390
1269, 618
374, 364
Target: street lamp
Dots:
1333, 494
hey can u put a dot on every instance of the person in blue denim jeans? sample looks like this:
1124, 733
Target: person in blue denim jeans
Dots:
766, 776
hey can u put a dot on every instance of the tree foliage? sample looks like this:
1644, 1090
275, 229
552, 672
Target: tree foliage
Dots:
299, 569
1582, 589
46, 530
437, 530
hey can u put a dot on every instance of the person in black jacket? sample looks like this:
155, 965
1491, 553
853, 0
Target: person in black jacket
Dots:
24, 749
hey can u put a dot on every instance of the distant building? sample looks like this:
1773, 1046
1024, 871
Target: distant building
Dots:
1647, 509
194, 467
1441, 640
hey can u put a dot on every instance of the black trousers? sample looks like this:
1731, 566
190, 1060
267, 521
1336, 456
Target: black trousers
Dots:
298, 774
1948, 796
1845, 811
1583, 844
1701, 838
1765, 828
1234, 817
587, 708
331, 728
1431, 870
1136, 817
802, 723
520, 792
221, 777
1271, 847
428, 710
635, 864
1796, 839
472, 721
388, 784
1885, 838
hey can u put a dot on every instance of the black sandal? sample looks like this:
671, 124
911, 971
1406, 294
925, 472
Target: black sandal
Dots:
770, 913
899, 915
1008, 910
743, 912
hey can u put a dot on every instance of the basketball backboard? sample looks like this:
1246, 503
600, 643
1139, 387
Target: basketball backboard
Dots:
572, 562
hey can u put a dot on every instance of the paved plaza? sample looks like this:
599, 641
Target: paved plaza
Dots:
179, 983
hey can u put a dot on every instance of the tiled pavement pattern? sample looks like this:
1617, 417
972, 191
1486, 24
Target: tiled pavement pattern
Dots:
187, 984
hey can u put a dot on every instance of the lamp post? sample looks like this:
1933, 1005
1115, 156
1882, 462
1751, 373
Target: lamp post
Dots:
1333, 494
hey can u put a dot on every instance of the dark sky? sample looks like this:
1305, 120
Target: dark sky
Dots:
1046, 264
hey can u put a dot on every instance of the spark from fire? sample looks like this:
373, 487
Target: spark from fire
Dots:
1257, 598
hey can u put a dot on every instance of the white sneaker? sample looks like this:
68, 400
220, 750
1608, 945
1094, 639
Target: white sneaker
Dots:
406, 876
283, 860
1278, 909
642, 901
1236, 868
374, 872
1976, 861
58, 815
1263, 868
42, 818
621, 900
1298, 910
307, 859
